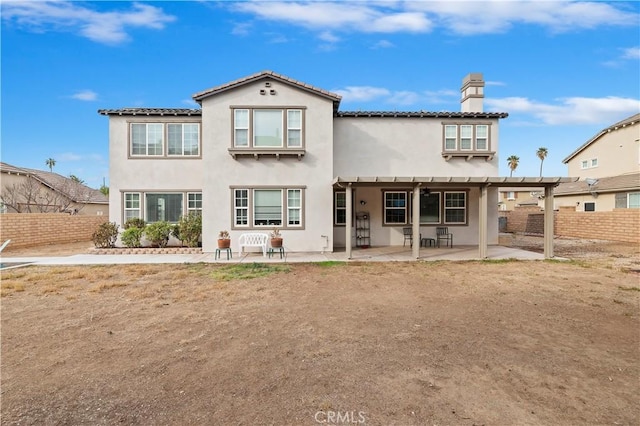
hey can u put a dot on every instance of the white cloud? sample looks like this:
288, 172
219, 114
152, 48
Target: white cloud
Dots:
329, 37
383, 44
101, 27
69, 156
241, 28
190, 103
465, 18
361, 93
568, 111
85, 95
631, 53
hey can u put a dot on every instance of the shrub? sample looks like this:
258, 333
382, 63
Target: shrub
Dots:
134, 222
158, 233
106, 235
189, 229
131, 237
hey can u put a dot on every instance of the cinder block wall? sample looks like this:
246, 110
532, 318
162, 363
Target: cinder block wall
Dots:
33, 229
617, 225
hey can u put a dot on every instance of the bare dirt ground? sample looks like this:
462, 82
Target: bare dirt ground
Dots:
437, 343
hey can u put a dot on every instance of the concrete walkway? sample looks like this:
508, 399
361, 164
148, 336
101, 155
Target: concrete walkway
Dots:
374, 254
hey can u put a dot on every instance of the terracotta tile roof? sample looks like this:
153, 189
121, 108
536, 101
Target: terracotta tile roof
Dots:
628, 182
273, 76
152, 111
634, 119
61, 184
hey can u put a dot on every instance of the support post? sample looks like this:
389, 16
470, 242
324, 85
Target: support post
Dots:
415, 216
482, 223
349, 219
548, 222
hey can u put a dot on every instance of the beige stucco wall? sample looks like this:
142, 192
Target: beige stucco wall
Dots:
618, 152
143, 174
409, 147
603, 202
313, 171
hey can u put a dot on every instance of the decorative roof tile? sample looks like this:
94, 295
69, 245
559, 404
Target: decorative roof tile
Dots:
152, 111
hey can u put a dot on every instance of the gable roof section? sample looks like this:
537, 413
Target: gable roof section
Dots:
269, 75
629, 121
63, 185
152, 111
628, 182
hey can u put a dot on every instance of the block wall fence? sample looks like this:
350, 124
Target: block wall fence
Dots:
34, 229
617, 225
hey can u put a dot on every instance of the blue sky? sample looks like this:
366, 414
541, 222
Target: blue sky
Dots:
562, 70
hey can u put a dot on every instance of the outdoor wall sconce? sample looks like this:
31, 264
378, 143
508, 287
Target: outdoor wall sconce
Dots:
363, 202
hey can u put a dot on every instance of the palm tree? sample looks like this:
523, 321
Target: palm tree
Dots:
513, 163
50, 162
542, 154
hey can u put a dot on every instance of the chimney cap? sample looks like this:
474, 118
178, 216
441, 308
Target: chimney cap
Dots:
472, 77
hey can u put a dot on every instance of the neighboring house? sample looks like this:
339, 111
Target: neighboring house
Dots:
609, 169
36, 191
510, 198
268, 151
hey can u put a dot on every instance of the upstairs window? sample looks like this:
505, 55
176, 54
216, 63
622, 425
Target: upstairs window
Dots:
183, 139
147, 139
466, 140
268, 128
156, 139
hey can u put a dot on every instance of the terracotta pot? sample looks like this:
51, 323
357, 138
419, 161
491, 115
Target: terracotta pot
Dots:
223, 244
276, 242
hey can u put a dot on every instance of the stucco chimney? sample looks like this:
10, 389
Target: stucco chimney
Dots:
472, 93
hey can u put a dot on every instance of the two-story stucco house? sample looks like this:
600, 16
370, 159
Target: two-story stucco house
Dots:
268, 151
608, 165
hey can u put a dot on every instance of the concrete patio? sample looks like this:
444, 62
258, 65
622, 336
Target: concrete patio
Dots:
373, 254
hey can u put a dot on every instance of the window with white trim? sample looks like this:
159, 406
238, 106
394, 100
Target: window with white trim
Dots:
450, 138
241, 207
395, 207
482, 137
268, 128
633, 200
459, 138
455, 207
466, 136
436, 207
268, 207
294, 207
147, 139
594, 162
183, 138
194, 202
131, 205
584, 164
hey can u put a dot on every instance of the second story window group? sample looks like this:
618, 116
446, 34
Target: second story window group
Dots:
466, 137
165, 139
268, 128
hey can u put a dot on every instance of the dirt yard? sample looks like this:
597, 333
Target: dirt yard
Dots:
441, 343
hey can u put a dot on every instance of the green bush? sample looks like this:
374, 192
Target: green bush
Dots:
158, 233
189, 229
131, 237
134, 222
106, 235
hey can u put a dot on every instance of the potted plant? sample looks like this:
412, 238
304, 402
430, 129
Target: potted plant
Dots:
224, 240
276, 238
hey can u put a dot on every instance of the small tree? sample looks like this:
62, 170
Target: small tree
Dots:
513, 163
50, 163
106, 235
158, 233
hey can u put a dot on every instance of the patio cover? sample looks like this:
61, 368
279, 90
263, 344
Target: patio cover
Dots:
418, 182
